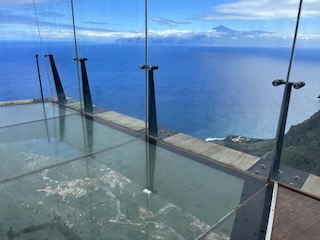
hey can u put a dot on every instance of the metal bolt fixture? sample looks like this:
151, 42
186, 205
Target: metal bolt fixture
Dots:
263, 166
297, 178
277, 149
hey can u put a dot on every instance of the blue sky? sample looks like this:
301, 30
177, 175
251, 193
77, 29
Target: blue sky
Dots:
107, 20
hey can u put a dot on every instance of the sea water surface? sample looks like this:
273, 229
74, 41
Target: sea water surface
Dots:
201, 91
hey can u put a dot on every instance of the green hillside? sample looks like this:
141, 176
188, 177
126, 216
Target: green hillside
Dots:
301, 148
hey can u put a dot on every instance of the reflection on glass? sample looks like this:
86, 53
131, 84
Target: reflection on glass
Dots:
111, 36
300, 154
83, 179
55, 31
18, 46
72, 177
246, 221
43, 142
216, 62
17, 114
106, 196
216, 67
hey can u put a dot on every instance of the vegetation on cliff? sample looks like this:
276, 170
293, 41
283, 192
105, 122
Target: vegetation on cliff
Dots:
301, 147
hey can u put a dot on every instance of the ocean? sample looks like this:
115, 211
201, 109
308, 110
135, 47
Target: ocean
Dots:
206, 92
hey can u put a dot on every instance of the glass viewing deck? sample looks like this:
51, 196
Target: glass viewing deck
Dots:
230, 149
69, 176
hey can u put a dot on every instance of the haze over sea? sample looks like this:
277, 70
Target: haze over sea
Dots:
201, 91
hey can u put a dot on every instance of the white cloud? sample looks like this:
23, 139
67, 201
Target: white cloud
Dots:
264, 10
61, 35
169, 33
309, 36
108, 35
185, 34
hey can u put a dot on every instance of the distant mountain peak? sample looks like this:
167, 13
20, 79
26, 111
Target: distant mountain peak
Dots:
222, 28
226, 30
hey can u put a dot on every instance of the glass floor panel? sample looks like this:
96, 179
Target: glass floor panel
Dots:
16, 114
244, 218
104, 183
34, 145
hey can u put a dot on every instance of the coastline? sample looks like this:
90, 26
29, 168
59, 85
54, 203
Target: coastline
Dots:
300, 149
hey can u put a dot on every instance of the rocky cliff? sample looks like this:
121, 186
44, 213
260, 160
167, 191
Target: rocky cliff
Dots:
301, 148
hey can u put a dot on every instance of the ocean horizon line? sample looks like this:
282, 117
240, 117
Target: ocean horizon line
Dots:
102, 42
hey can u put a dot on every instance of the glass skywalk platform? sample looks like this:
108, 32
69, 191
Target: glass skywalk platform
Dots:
66, 175
72, 171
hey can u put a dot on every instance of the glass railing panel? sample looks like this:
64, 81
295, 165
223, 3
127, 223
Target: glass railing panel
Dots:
18, 45
300, 154
247, 221
216, 65
56, 35
111, 37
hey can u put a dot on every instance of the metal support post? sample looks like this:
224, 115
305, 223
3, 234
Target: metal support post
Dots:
278, 144
57, 81
153, 124
85, 86
152, 112
39, 77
